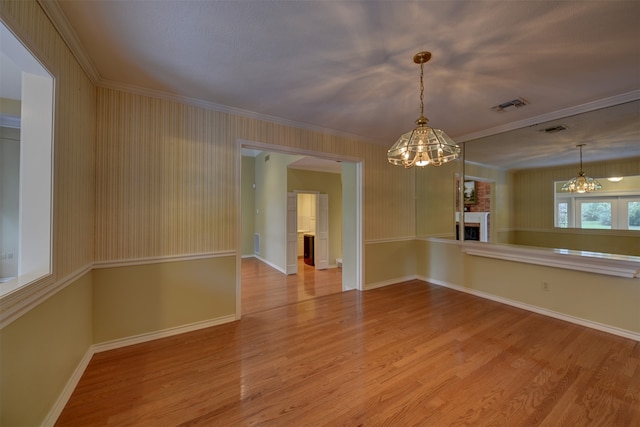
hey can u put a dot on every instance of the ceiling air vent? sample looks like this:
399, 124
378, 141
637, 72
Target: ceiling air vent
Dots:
511, 105
554, 129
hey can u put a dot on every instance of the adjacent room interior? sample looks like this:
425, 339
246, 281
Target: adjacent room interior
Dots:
213, 215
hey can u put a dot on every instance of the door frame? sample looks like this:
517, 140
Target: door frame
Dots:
358, 247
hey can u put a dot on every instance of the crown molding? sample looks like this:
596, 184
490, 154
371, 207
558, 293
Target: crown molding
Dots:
59, 20
565, 112
153, 93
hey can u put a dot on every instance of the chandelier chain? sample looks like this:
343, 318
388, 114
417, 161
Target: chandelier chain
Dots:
421, 89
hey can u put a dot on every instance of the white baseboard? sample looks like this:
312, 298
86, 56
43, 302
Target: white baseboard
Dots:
535, 309
270, 264
150, 336
383, 283
62, 400
68, 389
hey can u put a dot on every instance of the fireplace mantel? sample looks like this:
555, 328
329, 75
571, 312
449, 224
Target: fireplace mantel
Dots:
481, 218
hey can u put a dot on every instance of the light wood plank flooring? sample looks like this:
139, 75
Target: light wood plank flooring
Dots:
264, 287
407, 354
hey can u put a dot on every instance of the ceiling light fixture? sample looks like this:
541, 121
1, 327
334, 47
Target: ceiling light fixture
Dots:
424, 145
615, 178
581, 183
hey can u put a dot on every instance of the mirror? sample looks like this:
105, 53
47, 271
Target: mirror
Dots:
510, 178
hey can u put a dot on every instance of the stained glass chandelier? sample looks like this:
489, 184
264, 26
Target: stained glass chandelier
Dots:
423, 145
581, 183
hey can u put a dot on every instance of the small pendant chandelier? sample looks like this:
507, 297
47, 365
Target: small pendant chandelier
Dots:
581, 183
424, 145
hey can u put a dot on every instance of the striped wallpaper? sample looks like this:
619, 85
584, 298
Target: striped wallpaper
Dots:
533, 189
74, 135
166, 179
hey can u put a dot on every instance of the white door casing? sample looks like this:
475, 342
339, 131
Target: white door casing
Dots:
292, 233
322, 232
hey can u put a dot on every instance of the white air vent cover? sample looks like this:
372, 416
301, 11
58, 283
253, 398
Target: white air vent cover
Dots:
554, 129
511, 105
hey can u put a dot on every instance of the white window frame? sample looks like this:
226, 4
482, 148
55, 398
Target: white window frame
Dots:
612, 201
34, 246
623, 214
619, 209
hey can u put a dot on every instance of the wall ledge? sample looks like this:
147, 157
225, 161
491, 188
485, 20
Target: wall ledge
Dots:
19, 301
535, 309
594, 262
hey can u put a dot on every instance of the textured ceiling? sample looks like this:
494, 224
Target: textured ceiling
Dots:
346, 66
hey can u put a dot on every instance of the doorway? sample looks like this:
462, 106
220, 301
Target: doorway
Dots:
267, 238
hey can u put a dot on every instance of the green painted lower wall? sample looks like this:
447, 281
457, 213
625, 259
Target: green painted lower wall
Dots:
134, 300
385, 262
608, 300
440, 261
40, 351
592, 240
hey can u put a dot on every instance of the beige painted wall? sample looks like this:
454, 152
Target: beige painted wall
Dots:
533, 192
435, 200
387, 262
40, 351
139, 299
136, 178
623, 242
271, 206
326, 183
41, 348
533, 189
603, 299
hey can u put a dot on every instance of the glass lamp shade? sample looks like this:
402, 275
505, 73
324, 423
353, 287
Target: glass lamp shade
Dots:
581, 184
423, 146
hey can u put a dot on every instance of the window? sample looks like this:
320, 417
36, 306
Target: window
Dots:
615, 207
26, 120
596, 213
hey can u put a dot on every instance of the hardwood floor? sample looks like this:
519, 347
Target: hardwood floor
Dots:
265, 287
407, 354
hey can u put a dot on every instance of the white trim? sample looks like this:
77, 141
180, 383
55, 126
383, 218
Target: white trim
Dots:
593, 262
389, 240
68, 389
441, 240
23, 299
389, 282
535, 309
161, 259
481, 218
59, 20
153, 93
566, 112
164, 333
359, 163
262, 146
581, 231
272, 265
7, 121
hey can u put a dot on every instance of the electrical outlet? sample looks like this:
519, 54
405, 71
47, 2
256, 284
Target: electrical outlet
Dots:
546, 287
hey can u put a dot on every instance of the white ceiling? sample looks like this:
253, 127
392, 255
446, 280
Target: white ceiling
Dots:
346, 66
